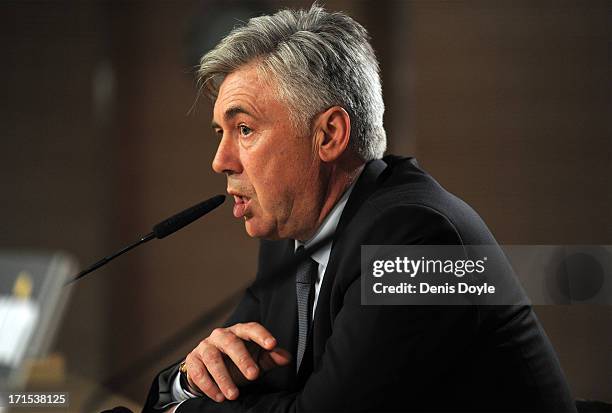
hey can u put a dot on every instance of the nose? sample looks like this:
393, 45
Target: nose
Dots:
227, 158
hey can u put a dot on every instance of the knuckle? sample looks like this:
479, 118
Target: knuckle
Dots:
217, 332
201, 351
244, 360
195, 374
206, 385
217, 363
209, 356
224, 380
237, 329
232, 342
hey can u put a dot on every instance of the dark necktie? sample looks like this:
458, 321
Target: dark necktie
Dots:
306, 275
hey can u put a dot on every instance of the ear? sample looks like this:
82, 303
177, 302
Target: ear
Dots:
333, 133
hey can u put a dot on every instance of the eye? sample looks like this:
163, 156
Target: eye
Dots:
245, 130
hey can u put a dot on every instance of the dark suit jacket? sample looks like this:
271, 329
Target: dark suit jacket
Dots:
393, 358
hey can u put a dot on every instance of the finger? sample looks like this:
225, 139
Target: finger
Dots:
275, 358
280, 356
254, 332
213, 360
235, 348
198, 377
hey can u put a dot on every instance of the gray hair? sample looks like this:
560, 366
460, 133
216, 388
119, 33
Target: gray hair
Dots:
317, 60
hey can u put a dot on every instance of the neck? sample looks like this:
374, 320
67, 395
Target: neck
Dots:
337, 177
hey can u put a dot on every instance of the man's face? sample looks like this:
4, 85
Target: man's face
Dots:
272, 170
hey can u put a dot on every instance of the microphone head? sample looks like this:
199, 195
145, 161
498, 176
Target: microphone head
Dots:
186, 217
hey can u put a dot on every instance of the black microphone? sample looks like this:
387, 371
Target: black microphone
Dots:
162, 230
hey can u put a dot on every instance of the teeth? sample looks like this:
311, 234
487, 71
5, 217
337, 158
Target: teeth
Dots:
240, 198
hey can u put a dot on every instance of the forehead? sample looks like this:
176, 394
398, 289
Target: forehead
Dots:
245, 89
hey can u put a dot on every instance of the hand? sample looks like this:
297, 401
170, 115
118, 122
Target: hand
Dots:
232, 356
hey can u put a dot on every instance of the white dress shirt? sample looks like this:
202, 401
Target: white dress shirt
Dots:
321, 257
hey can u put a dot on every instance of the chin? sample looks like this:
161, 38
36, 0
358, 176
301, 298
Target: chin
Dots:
256, 229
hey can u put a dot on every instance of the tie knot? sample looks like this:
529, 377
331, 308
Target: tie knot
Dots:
307, 268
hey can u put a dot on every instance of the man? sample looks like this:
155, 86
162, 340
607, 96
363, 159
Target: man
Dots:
299, 114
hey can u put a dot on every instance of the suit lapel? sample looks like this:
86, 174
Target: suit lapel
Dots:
365, 186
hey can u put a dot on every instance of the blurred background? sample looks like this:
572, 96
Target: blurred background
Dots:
506, 103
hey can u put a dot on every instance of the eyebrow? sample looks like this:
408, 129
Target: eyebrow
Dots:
230, 113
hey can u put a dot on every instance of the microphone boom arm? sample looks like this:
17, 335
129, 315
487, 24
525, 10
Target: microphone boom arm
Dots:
104, 260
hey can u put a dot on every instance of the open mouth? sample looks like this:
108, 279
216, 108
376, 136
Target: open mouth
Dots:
241, 204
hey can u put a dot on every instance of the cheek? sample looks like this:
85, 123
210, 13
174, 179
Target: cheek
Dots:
278, 174
263, 180
262, 171
275, 196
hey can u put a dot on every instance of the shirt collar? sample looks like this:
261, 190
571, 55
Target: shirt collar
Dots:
328, 227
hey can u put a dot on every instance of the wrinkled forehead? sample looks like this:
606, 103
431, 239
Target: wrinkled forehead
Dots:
254, 71
246, 90
249, 77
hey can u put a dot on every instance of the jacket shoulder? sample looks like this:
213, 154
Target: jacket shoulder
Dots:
408, 197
